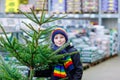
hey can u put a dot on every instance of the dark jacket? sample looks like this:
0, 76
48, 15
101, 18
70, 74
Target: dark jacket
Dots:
75, 74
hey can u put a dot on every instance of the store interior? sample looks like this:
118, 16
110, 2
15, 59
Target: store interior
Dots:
93, 27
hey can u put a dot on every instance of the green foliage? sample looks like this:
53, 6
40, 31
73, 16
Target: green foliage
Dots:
35, 52
9, 73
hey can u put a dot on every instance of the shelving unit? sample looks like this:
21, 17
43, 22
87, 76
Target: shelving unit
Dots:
106, 19
109, 20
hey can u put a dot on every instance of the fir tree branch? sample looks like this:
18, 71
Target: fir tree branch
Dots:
46, 33
58, 50
30, 26
48, 30
5, 35
21, 59
42, 17
36, 18
26, 40
48, 18
28, 16
59, 56
26, 33
9, 73
10, 45
55, 19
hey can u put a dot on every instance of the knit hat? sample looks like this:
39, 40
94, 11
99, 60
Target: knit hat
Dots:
59, 31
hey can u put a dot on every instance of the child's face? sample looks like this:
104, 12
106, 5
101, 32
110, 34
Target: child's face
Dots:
59, 40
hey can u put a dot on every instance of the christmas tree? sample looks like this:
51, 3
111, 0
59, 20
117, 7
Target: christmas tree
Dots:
35, 53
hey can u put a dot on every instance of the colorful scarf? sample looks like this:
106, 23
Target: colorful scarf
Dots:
60, 69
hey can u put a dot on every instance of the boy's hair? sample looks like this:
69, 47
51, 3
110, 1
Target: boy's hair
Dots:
59, 31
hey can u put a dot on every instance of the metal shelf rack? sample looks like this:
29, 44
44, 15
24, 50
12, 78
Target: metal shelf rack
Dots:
100, 16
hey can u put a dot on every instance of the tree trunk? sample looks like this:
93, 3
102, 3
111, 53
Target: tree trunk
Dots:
31, 74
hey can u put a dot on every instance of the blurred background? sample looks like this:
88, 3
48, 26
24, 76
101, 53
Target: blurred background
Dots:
93, 27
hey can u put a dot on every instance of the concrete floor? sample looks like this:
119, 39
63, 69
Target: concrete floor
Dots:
107, 70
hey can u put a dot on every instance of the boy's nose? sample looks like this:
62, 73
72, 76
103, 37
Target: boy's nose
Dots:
59, 39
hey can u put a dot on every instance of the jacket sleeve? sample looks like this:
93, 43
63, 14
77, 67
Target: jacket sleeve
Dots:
78, 71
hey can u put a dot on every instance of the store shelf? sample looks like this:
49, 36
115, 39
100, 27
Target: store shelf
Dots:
2, 15
109, 15
101, 17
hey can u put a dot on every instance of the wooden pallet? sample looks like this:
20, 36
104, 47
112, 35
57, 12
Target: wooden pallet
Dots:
102, 60
85, 66
108, 57
88, 65
95, 63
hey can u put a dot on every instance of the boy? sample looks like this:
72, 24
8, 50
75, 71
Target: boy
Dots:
72, 68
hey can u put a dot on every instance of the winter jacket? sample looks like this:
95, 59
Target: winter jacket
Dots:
75, 74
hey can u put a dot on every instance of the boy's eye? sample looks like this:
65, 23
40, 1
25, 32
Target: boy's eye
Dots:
61, 37
56, 37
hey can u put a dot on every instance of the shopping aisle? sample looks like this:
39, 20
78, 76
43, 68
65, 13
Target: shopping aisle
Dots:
108, 70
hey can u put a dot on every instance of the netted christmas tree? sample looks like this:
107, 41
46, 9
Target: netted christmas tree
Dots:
35, 53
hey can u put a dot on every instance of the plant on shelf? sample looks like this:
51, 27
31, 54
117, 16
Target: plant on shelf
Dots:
35, 53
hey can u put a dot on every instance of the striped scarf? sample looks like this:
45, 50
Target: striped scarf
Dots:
60, 69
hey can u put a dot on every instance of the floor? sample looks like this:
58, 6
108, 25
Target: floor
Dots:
107, 70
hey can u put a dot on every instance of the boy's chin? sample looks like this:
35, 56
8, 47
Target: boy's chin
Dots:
59, 45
